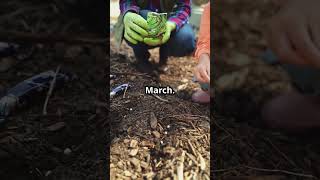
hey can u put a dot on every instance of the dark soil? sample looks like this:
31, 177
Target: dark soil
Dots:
70, 141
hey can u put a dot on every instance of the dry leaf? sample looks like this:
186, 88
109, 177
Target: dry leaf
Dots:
56, 126
156, 134
153, 120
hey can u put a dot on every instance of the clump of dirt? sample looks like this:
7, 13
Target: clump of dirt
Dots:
242, 147
157, 137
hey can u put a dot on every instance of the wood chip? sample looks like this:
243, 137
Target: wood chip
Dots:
149, 175
184, 80
192, 148
153, 120
192, 158
133, 143
133, 152
148, 144
169, 150
127, 173
156, 134
132, 78
134, 176
144, 165
202, 163
182, 87
180, 167
135, 162
120, 165
148, 158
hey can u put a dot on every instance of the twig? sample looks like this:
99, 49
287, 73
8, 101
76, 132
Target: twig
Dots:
131, 74
222, 128
187, 116
180, 167
233, 138
21, 11
202, 162
52, 84
22, 37
192, 148
125, 91
281, 153
161, 99
283, 171
192, 158
225, 170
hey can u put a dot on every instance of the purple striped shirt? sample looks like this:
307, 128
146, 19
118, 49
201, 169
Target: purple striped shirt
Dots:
180, 17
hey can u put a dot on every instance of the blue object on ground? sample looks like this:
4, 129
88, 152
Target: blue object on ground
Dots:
118, 90
204, 86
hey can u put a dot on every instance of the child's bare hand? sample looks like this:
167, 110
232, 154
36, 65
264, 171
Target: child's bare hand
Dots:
294, 33
202, 70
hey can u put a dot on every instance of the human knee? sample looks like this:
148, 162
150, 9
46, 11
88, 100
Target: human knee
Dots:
186, 40
184, 43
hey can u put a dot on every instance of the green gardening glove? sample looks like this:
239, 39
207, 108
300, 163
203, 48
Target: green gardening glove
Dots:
152, 41
170, 26
156, 41
135, 27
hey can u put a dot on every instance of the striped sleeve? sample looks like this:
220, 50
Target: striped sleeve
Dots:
181, 16
128, 5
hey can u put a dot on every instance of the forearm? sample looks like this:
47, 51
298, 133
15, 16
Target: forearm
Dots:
202, 50
128, 5
182, 13
203, 44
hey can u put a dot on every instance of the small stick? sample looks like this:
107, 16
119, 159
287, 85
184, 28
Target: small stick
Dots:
161, 99
282, 171
131, 74
281, 153
225, 170
180, 167
192, 158
52, 84
124, 94
202, 163
22, 37
192, 148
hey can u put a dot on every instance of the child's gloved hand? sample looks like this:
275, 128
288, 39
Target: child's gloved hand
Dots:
135, 27
202, 70
294, 33
170, 26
